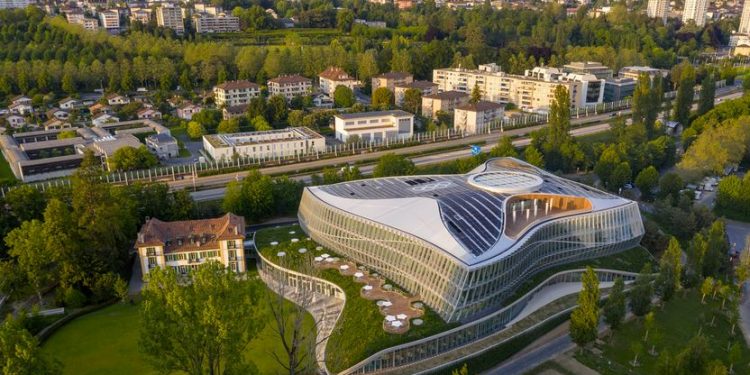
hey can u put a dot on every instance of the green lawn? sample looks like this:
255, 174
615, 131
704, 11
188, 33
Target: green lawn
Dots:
106, 342
679, 322
6, 174
359, 332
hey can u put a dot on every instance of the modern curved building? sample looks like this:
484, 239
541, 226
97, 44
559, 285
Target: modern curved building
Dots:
464, 243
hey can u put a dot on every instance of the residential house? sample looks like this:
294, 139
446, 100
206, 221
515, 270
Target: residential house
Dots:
233, 111
57, 113
148, 113
290, 86
233, 93
103, 118
69, 103
98, 108
163, 145
16, 121
56, 124
187, 111
391, 80
185, 245
424, 88
444, 101
117, 99
474, 118
334, 77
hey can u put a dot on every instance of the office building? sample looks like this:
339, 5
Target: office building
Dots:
235, 93
589, 67
374, 126
290, 86
186, 245
465, 243
170, 16
695, 10
635, 71
271, 144
618, 89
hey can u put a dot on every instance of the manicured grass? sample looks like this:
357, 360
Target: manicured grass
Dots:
359, 332
601, 137
106, 342
6, 174
180, 134
680, 320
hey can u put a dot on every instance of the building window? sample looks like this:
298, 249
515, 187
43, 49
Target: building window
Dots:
150, 251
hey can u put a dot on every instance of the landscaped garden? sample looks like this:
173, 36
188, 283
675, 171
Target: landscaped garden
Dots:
681, 320
106, 342
6, 174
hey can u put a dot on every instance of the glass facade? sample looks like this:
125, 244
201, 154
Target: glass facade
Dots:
456, 291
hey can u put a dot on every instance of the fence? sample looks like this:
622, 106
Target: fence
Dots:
178, 172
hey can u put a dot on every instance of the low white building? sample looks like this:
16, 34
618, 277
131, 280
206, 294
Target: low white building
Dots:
374, 126
474, 118
69, 103
16, 121
264, 144
103, 118
187, 111
163, 145
117, 99
290, 86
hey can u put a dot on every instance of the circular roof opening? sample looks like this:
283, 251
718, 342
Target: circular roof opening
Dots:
506, 182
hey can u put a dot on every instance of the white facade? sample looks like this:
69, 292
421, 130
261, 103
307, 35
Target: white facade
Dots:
187, 111
658, 9
290, 86
334, 77
15, 121
110, 19
745, 19
209, 23
234, 93
269, 144
9, 4
374, 126
695, 10
476, 118
170, 17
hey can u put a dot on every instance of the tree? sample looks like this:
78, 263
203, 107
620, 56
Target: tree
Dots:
193, 327
252, 197
258, 106
20, 352
382, 98
670, 185
393, 165
476, 95
560, 151
608, 161
26, 202
533, 156
642, 291
228, 126
344, 20
615, 307
343, 97
584, 320
706, 288
646, 181
464, 370
130, 158
694, 358
735, 355
412, 101
65, 134
277, 110
707, 94
504, 148
620, 176
208, 118
670, 270
29, 249
195, 130
685, 92
259, 123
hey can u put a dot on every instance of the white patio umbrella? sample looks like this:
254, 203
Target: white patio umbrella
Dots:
401, 316
292, 232
302, 250
358, 274
295, 239
367, 287
344, 267
318, 259
397, 324
329, 260
418, 322
319, 248
390, 318
274, 243
281, 253
324, 256
387, 304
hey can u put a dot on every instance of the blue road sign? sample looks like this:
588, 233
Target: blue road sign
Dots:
475, 150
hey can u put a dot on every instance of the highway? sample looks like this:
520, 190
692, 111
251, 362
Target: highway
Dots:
489, 140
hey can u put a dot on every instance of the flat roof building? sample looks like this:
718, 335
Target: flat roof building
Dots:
170, 16
110, 20
616, 89
635, 72
465, 243
221, 23
589, 67
185, 245
374, 126
270, 144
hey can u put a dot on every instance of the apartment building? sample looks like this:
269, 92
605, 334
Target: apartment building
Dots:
208, 8
12, 4
589, 67
474, 118
170, 16
210, 23
142, 15
374, 126
745, 19
185, 245
234, 93
110, 20
444, 101
695, 10
334, 77
532, 91
635, 71
269, 144
424, 88
290, 86
658, 9
391, 80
